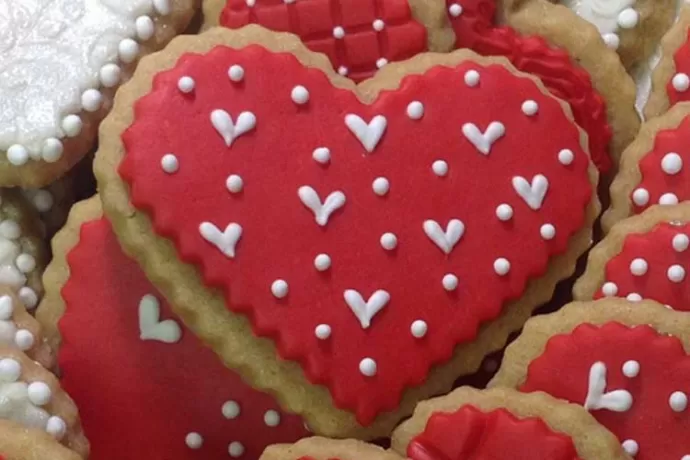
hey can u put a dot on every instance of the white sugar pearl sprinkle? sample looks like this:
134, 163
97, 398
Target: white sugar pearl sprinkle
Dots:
611, 40
236, 73
381, 186
39, 393
43, 200
145, 28
634, 297
368, 367
504, 212
10, 370
440, 168
547, 232
10, 229
17, 154
91, 100
450, 282
389, 241
299, 95
415, 110
455, 10
342, 70
169, 163
128, 50
378, 25
272, 418
52, 150
501, 266
56, 427
381, 62
609, 289
630, 447
6, 308
681, 82
231, 410
631, 369
236, 449
638, 267
668, 199
628, 18
322, 331
322, 262
566, 157
676, 273
279, 289
530, 108
418, 329
162, 7
471, 78
24, 339
321, 155
28, 297
338, 32
234, 183
186, 84
678, 401
681, 242
25, 263
640, 197
194, 441
110, 75
72, 125
672, 163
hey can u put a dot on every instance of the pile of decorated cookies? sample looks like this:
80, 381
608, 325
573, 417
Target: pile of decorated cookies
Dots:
344, 229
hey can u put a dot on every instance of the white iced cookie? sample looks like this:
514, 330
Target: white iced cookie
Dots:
608, 16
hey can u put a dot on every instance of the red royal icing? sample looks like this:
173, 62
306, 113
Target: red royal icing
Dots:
469, 434
663, 369
280, 238
141, 398
679, 92
665, 179
664, 279
358, 36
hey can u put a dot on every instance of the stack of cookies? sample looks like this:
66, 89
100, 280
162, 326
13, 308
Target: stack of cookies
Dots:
344, 229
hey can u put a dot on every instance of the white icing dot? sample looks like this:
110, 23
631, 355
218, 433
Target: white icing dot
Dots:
566, 157
321, 155
230, 410
338, 32
455, 10
415, 110
235, 449
43, 200
10, 370
611, 40
6, 308
547, 231
685, 457
56, 427
17, 154
419, 329
322, 262
234, 183
194, 440
378, 25
380, 62
250, 3
52, 150
39, 393
236, 73
128, 50
322, 331
162, 7
389, 241
440, 168
678, 401
145, 28
640, 196
631, 369
501, 266
24, 339
638, 267
381, 186
10, 229
680, 242
628, 18
110, 75
25, 263
170, 163
279, 288
676, 273
91, 100
681, 82
299, 95
72, 125
630, 447
668, 199
28, 297
530, 108
368, 367
504, 212
672, 163
272, 418
186, 84
472, 78
450, 282
609, 289
342, 70
634, 297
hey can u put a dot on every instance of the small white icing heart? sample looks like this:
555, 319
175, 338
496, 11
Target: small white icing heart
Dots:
226, 240
365, 311
322, 211
444, 240
533, 193
230, 130
150, 325
483, 141
369, 134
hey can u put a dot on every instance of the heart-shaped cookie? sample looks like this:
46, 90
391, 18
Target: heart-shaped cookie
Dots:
145, 386
290, 273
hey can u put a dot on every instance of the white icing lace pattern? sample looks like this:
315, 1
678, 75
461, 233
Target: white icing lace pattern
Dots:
54, 55
607, 15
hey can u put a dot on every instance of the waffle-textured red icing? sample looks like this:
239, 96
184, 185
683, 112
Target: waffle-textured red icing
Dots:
665, 178
358, 36
366, 240
469, 433
145, 386
635, 381
651, 266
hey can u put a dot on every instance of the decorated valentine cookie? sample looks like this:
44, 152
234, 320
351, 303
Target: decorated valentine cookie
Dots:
471, 423
19, 330
330, 253
652, 168
96, 292
20, 443
328, 449
626, 363
61, 61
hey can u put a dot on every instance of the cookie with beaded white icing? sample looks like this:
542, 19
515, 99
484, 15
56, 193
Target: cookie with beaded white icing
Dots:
318, 448
21, 331
20, 443
60, 65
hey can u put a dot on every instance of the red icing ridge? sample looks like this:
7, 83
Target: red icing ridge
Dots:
681, 58
664, 368
470, 433
140, 398
361, 46
280, 238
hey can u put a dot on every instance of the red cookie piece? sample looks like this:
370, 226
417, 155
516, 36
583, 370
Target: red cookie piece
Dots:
471, 433
358, 36
145, 386
634, 380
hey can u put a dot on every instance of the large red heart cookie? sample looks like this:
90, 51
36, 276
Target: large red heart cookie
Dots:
366, 240
145, 386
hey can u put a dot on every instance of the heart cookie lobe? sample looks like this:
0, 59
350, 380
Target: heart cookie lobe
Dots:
377, 239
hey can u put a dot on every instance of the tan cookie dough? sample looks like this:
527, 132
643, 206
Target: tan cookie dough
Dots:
19, 443
327, 449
